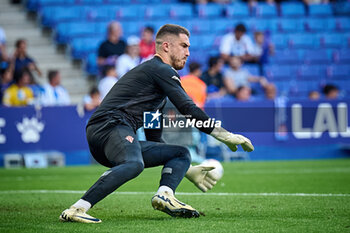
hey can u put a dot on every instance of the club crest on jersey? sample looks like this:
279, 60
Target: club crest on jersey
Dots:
129, 138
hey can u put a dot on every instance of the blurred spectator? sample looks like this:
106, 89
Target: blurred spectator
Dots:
243, 93
3, 52
253, 3
131, 58
235, 76
262, 50
110, 78
213, 78
2, 36
22, 60
331, 91
314, 95
147, 44
93, 100
19, 94
237, 44
5, 81
113, 47
309, 2
54, 94
194, 86
270, 91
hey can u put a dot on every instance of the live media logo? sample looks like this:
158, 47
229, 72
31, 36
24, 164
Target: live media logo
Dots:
152, 120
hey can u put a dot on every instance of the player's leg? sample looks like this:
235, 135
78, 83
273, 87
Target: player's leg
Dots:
123, 152
176, 161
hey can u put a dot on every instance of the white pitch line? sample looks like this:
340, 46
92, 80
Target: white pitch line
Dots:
293, 171
181, 193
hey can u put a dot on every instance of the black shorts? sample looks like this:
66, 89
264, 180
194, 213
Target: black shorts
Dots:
113, 144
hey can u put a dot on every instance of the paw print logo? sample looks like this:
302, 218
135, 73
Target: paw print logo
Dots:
30, 128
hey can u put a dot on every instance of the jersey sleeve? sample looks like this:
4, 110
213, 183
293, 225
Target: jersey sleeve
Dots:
169, 82
225, 46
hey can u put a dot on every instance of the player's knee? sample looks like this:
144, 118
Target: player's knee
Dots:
137, 167
185, 154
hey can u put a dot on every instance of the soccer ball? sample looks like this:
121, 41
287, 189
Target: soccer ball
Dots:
218, 172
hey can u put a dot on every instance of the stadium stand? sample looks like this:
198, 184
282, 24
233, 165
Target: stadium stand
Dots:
312, 42
266, 10
294, 9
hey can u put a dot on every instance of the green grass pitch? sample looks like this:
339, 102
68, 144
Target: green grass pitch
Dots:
244, 208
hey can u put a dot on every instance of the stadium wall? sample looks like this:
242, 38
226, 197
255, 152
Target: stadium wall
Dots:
279, 130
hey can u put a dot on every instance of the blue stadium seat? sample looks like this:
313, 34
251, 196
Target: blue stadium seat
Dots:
81, 47
207, 41
317, 57
146, 1
215, 50
198, 56
183, 22
221, 25
118, 1
312, 72
342, 56
87, 2
334, 40
280, 40
181, 11
209, 10
316, 25
291, 25
263, 25
342, 8
91, 64
304, 40
156, 24
45, 3
36, 5
302, 87
287, 56
157, 11
320, 10
101, 28
200, 26
343, 24
292, 9
237, 10
131, 28
67, 31
130, 12
283, 86
50, 16
331, 24
339, 72
280, 72
101, 13
195, 41
266, 10
32, 5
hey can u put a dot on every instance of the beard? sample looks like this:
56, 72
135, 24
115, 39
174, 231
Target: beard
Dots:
177, 63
